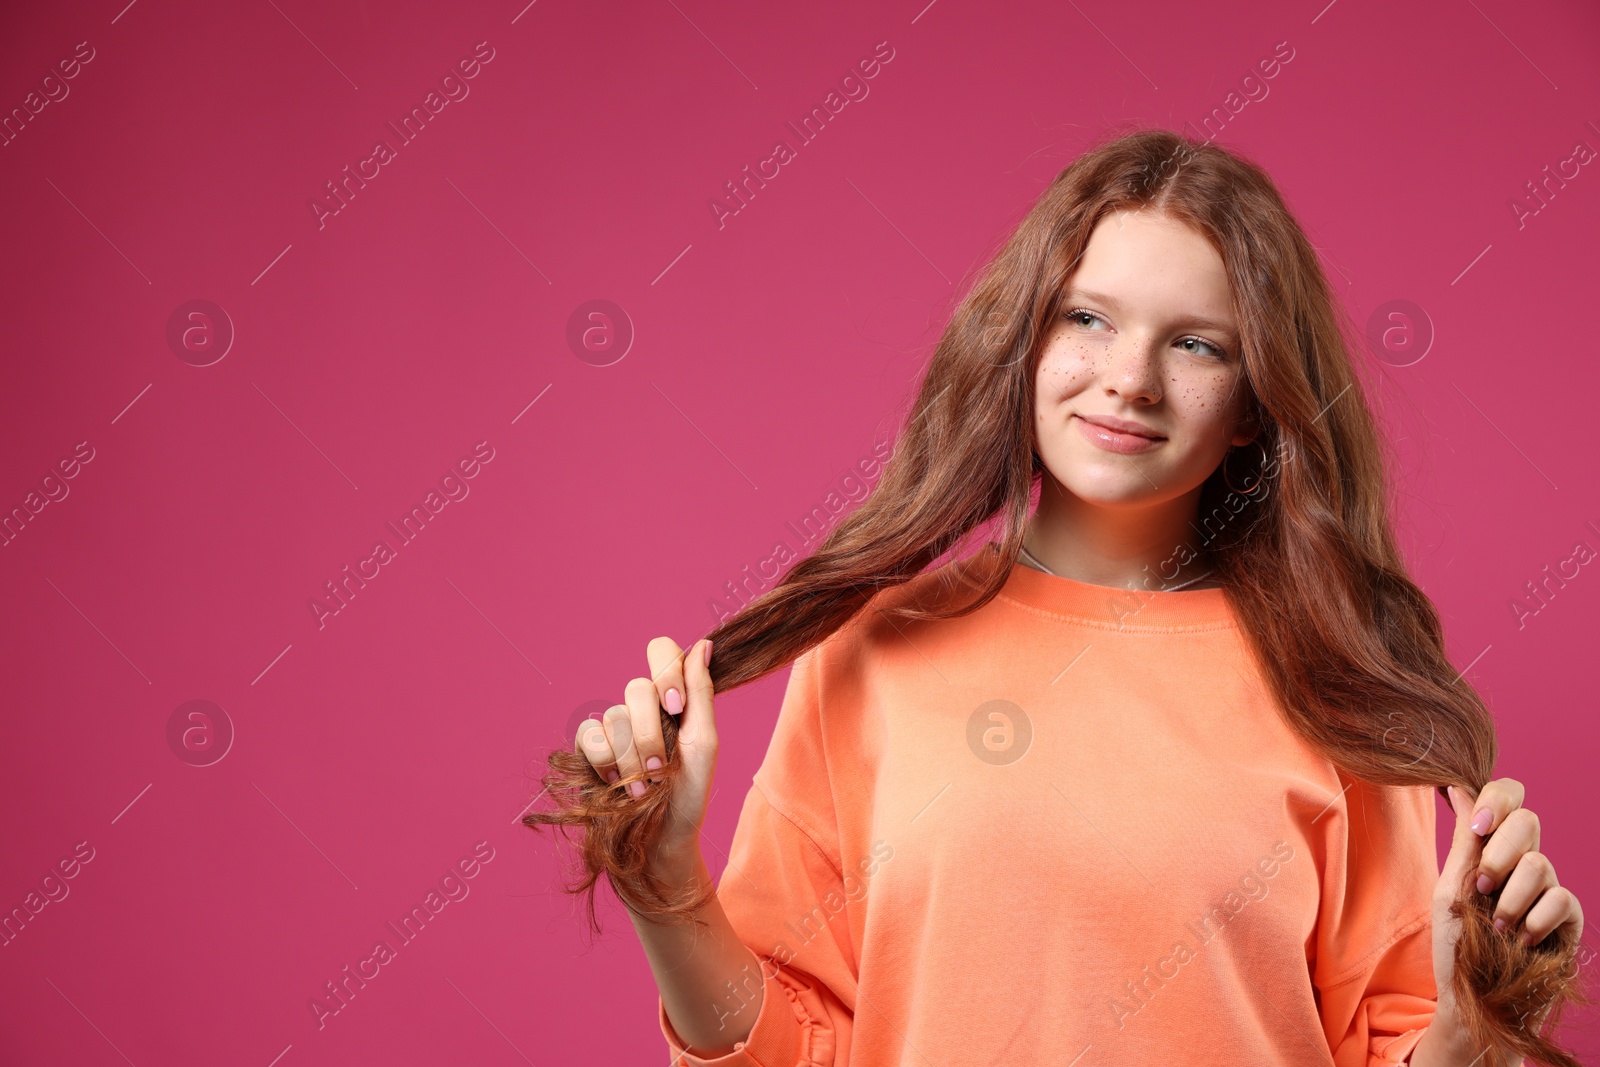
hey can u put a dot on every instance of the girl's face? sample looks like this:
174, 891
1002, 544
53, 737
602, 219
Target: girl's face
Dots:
1147, 337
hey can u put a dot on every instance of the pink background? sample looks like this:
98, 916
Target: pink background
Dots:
769, 356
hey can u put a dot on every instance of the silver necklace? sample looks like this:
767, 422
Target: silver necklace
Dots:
1031, 558
1034, 560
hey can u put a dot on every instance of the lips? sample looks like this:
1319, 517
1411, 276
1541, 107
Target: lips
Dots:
1115, 425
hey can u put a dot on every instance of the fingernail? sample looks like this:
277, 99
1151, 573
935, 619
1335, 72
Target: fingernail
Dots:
708, 653
653, 763
674, 702
1485, 883
1500, 925
636, 788
1481, 821
613, 774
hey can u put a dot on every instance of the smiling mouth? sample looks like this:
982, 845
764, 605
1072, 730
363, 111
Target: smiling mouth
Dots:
1115, 440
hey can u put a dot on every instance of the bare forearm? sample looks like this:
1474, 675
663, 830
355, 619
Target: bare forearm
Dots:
710, 982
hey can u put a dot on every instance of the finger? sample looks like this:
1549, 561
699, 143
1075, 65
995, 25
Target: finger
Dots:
1533, 875
1517, 836
1498, 799
698, 725
619, 733
1465, 845
666, 668
1557, 906
594, 747
644, 710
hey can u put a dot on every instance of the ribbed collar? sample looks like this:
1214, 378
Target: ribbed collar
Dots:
1108, 606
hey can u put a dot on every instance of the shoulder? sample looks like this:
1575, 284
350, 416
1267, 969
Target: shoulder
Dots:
840, 669
896, 611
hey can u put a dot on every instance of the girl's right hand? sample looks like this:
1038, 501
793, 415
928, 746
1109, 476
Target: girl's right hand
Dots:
628, 741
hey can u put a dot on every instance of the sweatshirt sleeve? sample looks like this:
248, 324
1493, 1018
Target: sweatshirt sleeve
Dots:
1374, 941
786, 897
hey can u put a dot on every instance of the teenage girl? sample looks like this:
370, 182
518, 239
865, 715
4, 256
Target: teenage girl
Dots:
1149, 776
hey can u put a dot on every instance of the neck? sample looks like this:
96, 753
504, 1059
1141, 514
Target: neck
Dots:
1152, 547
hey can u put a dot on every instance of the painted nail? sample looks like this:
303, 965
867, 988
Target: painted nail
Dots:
636, 788
708, 653
1485, 883
1481, 821
1500, 925
613, 774
653, 763
674, 702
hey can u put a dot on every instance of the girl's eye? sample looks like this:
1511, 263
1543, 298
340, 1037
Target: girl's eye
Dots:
1216, 351
1077, 315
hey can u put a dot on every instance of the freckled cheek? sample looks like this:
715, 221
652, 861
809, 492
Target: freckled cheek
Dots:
1212, 396
1068, 365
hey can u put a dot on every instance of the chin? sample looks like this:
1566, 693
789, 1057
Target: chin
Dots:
1116, 492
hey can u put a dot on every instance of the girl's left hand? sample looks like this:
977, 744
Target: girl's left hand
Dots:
1499, 838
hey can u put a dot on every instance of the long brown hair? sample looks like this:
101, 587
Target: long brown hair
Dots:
1352, 648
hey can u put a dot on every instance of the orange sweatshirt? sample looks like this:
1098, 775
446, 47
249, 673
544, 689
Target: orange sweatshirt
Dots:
1068, 828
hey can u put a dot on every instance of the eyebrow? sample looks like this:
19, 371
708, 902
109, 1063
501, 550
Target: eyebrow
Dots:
1111, 301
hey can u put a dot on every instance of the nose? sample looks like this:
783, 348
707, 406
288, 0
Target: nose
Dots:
1133, 371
